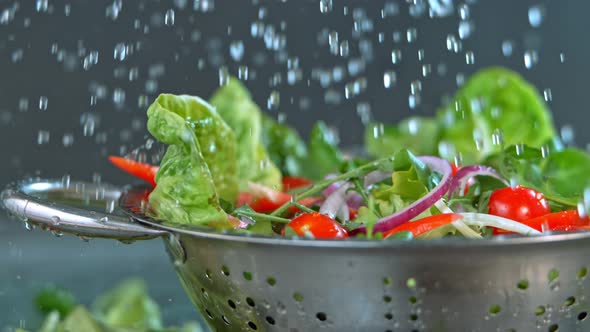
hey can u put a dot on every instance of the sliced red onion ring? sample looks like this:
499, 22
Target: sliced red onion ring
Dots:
410, 212
463, 175
335, 204
333, 187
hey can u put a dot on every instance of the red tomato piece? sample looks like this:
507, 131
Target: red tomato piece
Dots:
518, 203
319, 225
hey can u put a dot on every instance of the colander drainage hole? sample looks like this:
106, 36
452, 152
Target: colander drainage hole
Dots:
523, 284
270, 320
231, 304
208, 274
209, 313
495, 309
321, 316
225, 320
271, 281
247, 275
387, 299
225, 270
297, 297
387, 281
205, 294
413, 317
553, 328
582, 315
413, 299
389, 316
252, 326
570, 301
553, 275
540, 310
250, 302
583, 272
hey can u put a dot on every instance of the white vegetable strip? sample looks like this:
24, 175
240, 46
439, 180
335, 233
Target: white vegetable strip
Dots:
481, 219
458, 224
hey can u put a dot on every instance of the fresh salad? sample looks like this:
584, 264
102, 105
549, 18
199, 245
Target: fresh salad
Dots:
125, 308
488, 163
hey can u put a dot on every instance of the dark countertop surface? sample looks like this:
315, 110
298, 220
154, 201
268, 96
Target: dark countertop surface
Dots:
30, 259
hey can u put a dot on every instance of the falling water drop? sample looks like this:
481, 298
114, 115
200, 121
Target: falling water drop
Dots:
169, 17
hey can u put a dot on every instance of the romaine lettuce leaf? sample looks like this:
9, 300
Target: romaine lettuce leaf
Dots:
235, 106
200, 165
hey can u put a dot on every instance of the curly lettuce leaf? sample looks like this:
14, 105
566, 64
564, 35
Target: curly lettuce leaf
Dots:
494, 98
200, 165
234, 104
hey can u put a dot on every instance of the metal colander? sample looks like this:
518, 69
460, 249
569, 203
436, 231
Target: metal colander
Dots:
252, 283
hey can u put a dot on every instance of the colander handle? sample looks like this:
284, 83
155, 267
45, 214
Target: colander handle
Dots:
64, 206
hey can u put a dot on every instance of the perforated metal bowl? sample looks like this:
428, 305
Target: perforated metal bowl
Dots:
242, 283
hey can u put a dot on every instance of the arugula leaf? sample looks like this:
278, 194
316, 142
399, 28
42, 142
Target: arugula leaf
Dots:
235, 106
323, 156
494, 98
200, 164
128, 305
419, 134
561, 176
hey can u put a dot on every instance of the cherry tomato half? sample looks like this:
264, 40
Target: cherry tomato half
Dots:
518, 203
319, 225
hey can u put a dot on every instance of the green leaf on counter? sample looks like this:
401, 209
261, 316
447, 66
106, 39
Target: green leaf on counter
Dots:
128, 305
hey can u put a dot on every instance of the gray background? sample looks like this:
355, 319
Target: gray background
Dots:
166, 59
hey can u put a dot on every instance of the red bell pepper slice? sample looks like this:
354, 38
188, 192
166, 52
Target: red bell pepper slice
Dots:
564, 221
143, 171
264, 199
424, 225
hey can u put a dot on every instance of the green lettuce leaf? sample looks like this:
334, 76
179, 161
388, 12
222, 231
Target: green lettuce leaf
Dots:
493, 98
562, 176
80, 320
234, 104
419, 134
128, 306
200, 165
284, 145
323, 155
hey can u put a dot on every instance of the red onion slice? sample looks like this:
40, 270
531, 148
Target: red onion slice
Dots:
335, 204
410, 212
463, 175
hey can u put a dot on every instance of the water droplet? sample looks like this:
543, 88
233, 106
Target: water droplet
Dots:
363, 110
396, 56
42, 137
67, 140
547, 95
243, 73
465, 29
344, 48
28, 226
420, 54
426, 70
90, 60
43, 100
453, 44
389, 9
498, 137
464, 11
120, 52
23, 104
273, 101
326, 6
536, 15
414, 100
223, 76
119, 96
507, 47
169, 17
411, 35
567, 135
42, 6
531, 57
236, 50
389, 79
562, 57
441, 8
469, 57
